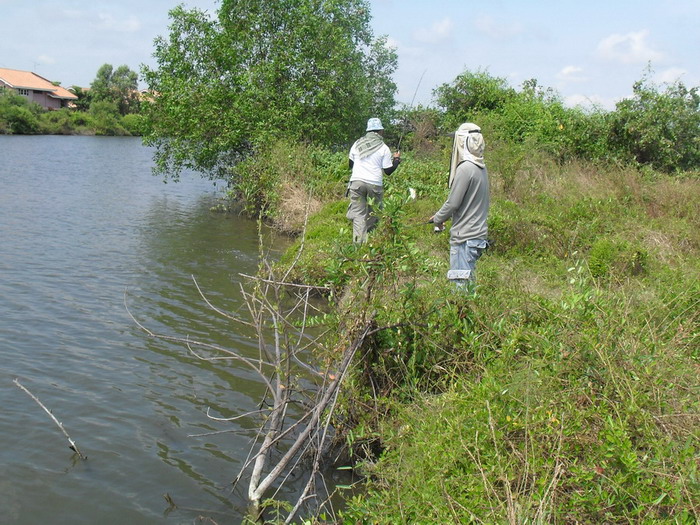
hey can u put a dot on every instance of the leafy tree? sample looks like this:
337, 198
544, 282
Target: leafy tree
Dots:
105, 118
84, 98
659, 128
308, 70
119, 86
18, 115
472, 92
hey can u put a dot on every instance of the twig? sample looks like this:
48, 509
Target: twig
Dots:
217, 310
280, 283
72, 445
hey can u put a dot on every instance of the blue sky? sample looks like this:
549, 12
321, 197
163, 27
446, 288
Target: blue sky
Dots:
590, 52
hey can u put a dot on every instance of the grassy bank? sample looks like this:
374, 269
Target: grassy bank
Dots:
565, 390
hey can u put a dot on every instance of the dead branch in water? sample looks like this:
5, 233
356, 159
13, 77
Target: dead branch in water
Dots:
312, 427
281, 314
72, 444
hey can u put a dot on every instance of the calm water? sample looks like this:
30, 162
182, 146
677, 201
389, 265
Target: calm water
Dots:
82, 221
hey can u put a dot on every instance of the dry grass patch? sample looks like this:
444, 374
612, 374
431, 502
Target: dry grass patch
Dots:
295, 205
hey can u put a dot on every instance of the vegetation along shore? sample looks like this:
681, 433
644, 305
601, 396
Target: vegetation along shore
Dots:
565, 389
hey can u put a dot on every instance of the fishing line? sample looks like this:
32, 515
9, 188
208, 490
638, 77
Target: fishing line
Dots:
403, 131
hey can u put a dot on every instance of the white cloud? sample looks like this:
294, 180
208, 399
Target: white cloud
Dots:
571, 74
128, 25
438, 32
497, 29
670, 75
589, 102
631, 48
46, 59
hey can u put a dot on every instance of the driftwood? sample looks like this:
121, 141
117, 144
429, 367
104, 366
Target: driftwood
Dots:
72, 445
280, 313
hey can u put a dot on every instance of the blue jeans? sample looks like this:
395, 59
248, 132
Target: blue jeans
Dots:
463, 257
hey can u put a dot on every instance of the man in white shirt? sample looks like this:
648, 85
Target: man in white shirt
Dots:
369, 159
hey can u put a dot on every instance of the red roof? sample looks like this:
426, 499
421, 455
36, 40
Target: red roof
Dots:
27, 80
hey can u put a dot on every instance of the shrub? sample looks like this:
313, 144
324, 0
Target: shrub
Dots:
470, 93
57, 123
105, 118
545, 396
133, 123
18, 115
659, 128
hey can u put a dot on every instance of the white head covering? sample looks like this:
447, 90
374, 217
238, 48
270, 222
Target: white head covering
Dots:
374, 124
468, 145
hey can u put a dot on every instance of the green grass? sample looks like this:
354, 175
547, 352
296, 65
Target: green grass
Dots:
564, 390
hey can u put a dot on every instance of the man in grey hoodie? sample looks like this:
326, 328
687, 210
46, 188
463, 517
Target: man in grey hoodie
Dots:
467, 205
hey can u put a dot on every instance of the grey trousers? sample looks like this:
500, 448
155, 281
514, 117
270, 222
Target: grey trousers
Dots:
364, 198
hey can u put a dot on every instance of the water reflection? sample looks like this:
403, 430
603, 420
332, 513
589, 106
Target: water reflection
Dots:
83, 220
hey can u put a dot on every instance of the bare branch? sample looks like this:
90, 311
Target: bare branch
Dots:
280, 283
217, 310
72, 445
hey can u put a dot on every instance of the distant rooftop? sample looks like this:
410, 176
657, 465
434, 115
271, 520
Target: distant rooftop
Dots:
17, 79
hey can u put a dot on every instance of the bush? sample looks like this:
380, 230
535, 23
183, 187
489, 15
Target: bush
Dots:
134, 123
18, 115
58, 122
659, 128
105, 119
543, 397
470, 93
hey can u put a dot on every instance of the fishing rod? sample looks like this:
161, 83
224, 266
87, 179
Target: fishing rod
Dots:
403, 131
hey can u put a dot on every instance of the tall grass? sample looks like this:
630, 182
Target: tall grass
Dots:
565, 389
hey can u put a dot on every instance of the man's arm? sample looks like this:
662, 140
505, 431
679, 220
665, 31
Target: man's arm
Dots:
454, 199
395, 161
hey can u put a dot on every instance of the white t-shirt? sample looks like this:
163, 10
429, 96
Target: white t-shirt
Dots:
371, 168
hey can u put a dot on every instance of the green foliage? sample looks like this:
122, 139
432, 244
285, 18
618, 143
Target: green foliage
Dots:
562, 391
134, 123
470, 93
256, 185
655, 128
661, 129
118, 86
59, 122
282, 179
84, 98
416, 129
105, 118
306, 70
18, 115
608, 257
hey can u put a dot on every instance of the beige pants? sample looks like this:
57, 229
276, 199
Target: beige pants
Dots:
364, 198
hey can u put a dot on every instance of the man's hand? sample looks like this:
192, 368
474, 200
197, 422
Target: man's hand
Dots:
438, 227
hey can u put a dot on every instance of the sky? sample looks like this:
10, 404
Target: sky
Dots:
591, 52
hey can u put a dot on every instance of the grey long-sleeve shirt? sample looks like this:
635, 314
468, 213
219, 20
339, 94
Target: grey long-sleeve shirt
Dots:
467, 204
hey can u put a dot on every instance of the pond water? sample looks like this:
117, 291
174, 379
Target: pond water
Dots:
85, 228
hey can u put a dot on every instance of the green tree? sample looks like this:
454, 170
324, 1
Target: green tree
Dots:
105, 118
18, 115
470, 93
308, 70
84, 98
658, 128
116, 85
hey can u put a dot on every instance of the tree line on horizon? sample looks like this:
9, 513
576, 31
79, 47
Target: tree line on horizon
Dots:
315, 73
110, 106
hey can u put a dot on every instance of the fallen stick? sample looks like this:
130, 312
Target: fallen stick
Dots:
72, 445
